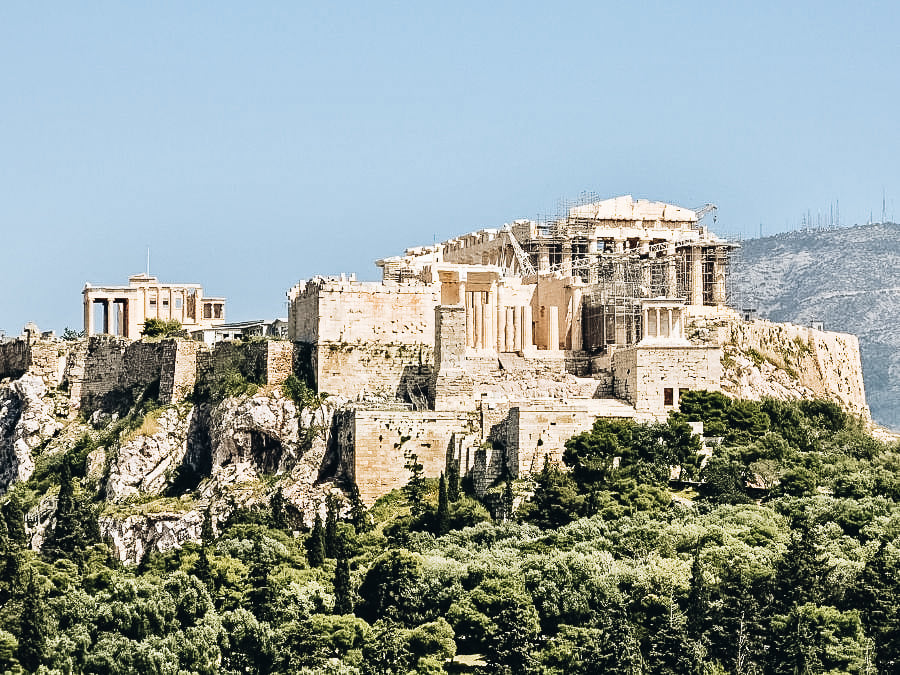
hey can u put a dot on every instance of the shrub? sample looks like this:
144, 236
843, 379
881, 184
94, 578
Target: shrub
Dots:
160, 327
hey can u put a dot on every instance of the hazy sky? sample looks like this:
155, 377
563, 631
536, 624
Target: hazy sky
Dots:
251, 145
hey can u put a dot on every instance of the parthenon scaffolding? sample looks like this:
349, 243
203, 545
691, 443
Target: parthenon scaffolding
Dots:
620, 250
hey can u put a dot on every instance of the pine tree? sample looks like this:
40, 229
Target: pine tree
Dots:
32, 628
443, 509
332, 506
342, 602
315, 544
453, 480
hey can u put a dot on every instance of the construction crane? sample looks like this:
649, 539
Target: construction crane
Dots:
525, 266
706, 208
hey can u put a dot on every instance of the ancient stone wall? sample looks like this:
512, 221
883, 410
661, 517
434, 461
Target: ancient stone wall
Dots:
15, 356
117, 368
178, 369
393, 370
643, 375
536, 430
384, 439
44, 358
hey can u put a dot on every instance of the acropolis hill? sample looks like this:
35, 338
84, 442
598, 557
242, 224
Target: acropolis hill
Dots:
486, 351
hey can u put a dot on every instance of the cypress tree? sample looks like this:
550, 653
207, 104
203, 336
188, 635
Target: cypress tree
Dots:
315, 544
261, 593
697, 611
279, 516
207, 535
32, 628
508, 501
331, 519
443, 509
358, 515
15, 521
415, 488
453, 480
342, 603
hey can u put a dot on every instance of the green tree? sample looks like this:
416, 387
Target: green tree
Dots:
359, 516
453, 480
32, 627
343, 603
556, 499
389, 588
160, 327
416, 487
332, 508
75, 526
442, 519
15, 520
315, 544
876, 594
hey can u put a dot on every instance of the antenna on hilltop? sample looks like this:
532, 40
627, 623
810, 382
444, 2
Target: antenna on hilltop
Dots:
882, 205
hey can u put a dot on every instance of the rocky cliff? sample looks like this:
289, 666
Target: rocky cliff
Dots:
159, 468
848, 279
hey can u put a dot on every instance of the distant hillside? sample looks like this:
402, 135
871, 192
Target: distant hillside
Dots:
849, 279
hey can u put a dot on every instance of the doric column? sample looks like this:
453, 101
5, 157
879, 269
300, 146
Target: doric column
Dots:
718, 289
527, 341
517, 329
658, 325
696, 275
645, 323
592, 260
106, 311
509, 337
671, 273
470, 321
477, 321
543, 259
669, 332
553, 327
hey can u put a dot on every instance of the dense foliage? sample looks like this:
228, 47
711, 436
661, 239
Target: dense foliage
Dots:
778, 554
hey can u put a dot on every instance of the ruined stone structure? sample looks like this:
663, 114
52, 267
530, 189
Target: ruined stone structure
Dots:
496, 347
124, 308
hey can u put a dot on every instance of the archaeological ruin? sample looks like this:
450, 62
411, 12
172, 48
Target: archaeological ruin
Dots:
123, 309
489, 350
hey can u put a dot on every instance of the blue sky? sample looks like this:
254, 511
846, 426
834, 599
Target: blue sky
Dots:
251, 145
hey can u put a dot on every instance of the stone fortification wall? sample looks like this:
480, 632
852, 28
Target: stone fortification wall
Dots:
392, 370
771, 359
384, 439
642, 375
366, 337
539, 430
106, 368
44, 358
116, 366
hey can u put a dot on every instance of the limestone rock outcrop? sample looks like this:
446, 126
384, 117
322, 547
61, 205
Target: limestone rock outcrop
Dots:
26, 421
145, 462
